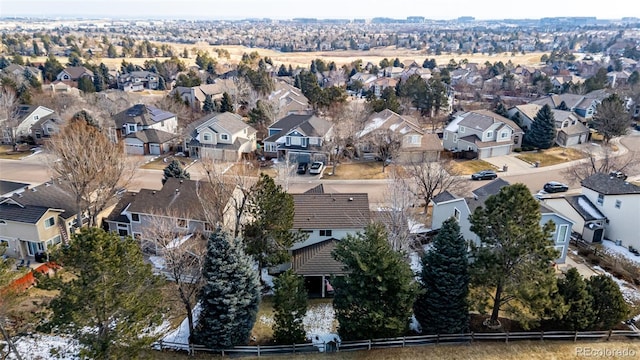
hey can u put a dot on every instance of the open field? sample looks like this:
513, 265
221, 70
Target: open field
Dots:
340, 57
553, 156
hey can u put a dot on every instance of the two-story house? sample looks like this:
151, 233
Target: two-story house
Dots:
583, 105
220, 136
588, 221
326, 218
138, 81
570, 128
74, 73
447, 205
482, 132
21, 71
619, 201
196, 95
415, 144
288, 99
297, 138
146, 129
45, 127
18, 128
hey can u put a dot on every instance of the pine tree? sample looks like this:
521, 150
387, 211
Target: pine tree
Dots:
512, 262
113, 292
230, 297
543, 129
442, 307
226, 105
208, 106
162, 85
175, 170
578, 301
375, 297
609, 307
290, 306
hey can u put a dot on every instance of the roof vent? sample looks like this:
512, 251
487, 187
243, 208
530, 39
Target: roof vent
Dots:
177, 190
34, 189
350, 199
153, 192
181, 181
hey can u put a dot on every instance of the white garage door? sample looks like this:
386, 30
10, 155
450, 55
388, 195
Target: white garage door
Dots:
154, 149
499, 151
135, 149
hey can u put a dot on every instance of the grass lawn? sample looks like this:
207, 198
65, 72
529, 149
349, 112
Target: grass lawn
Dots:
553, 156
6, 152
468, 167
370, 170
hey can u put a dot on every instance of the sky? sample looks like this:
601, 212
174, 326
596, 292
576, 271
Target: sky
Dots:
321, 9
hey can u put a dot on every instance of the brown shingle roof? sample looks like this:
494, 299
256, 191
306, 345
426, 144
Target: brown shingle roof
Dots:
316, 260
331, 211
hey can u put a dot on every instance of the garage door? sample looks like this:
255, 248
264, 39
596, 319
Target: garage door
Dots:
499, 151
135, 149
154, 149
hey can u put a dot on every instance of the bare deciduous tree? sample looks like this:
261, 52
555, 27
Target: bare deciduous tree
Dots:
600, 160
386, 143
8, 114
90, 165
347, 121
433, 177
182, 254
397, 214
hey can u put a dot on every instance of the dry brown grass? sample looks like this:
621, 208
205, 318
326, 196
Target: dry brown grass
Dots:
468, 167
371, 170
553, 156
6, 152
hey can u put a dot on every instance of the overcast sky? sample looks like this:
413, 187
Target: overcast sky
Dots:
321, 9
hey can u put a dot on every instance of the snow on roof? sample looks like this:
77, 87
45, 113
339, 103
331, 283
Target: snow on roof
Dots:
372, 125
588, 207
453, 125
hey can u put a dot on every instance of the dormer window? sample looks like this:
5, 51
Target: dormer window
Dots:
461, 129
224, 136
206, 137
489, 134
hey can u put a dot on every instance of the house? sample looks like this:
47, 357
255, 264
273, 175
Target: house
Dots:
326, 218
583, 105
447, 205
19, 127
146, 129
288, 99
588, 221
45, 127
74, 73
482, 132
619, 201
220, 136
415, 144
297, 138
382, 83
178, 199
20, 71
196, 95
570, 128
8, 188
138, 81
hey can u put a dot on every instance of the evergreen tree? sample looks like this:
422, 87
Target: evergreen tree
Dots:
52, 68
268, 235
396, 63
512, 261
563, 106
98, 82
573, 290
175, 170
85, 84
543, 129
208, 106
110, 290
442, 307
609, 307
290, 306
375, 297
162, 85
226, 104
230, 297
501, 110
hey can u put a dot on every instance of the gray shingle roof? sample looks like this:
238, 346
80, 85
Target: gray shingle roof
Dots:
141, 114
51, 194
152, 136
23, 214
585, 208
7, 187
443, 197
331, 211
316, 260
609, 185
310, 125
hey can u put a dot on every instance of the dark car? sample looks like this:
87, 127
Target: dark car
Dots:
554, 187
484, 175
302, 168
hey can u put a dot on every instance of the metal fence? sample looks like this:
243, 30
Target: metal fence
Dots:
405, 341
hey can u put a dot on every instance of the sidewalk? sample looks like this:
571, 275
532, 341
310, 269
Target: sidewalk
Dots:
516, 166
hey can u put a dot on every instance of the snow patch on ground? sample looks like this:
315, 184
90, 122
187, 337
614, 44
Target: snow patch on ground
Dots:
629, 292
43, 346
415, 259
620, 250
157, 262
319, 320
414, 325
179, 338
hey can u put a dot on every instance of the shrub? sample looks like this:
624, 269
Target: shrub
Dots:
593, 259
584, 252
517, 150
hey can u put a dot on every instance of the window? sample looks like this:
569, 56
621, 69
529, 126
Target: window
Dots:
49, 222
562, 233
325, 232
305, 141
288, 141
618, 204
461, 129
489, 134
135, 217
600, 199
444, 136
456, 214
181, 223
206, 137
123, 232
455, 137
504, 135
208, 227
224, 136
132, 128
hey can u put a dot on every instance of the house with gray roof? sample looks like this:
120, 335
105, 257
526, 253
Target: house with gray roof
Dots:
138, 81
588, 221
19, 126
298, 138
220, 136
326, 218
20, 71
146, 129
447, 205
482, 132
583, 105
570, 127
45, 127
74, 73
619, 201
196, 95
8, 188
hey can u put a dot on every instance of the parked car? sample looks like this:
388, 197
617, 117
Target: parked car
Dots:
484, 175
634, 251
555, 187
316, 167
618, 174
302, 168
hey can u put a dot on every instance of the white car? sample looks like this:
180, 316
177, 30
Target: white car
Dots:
316, 168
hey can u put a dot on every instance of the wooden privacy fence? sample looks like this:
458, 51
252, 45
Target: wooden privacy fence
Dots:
405, 341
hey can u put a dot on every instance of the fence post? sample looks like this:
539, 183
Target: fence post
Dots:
369, 344
258, 350
610, 332
472, 337
542, 335
506, 339
438, 339
294, 348
575, 336
403, 340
